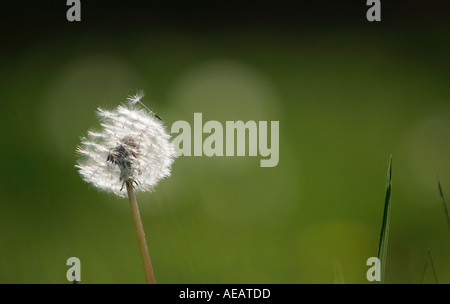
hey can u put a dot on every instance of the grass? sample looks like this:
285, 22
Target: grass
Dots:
441, 194
425, 268
384, 235
432, 266
338, 273
433, 269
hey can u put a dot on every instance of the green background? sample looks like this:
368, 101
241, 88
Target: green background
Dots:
347, 95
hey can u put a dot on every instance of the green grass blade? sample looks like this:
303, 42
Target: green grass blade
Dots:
443, 201
432, 266
383, 244
338, 273
422, 281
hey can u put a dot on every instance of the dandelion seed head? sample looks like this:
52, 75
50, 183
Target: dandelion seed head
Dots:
136, 98
132, 147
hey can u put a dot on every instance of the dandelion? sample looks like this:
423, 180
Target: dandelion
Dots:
132, 153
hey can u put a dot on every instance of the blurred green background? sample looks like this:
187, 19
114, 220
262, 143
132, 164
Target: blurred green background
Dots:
348, 93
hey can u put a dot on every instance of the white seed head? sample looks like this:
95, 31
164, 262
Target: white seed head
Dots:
133, 147
136, 98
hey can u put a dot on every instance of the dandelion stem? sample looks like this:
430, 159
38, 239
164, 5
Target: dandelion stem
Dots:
150, 277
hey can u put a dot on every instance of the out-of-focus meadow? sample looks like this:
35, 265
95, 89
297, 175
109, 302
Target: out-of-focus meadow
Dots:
345, 98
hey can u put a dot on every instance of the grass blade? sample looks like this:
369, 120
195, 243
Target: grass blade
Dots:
338, 273
443, 201
422, 281
383, 244
432, 266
